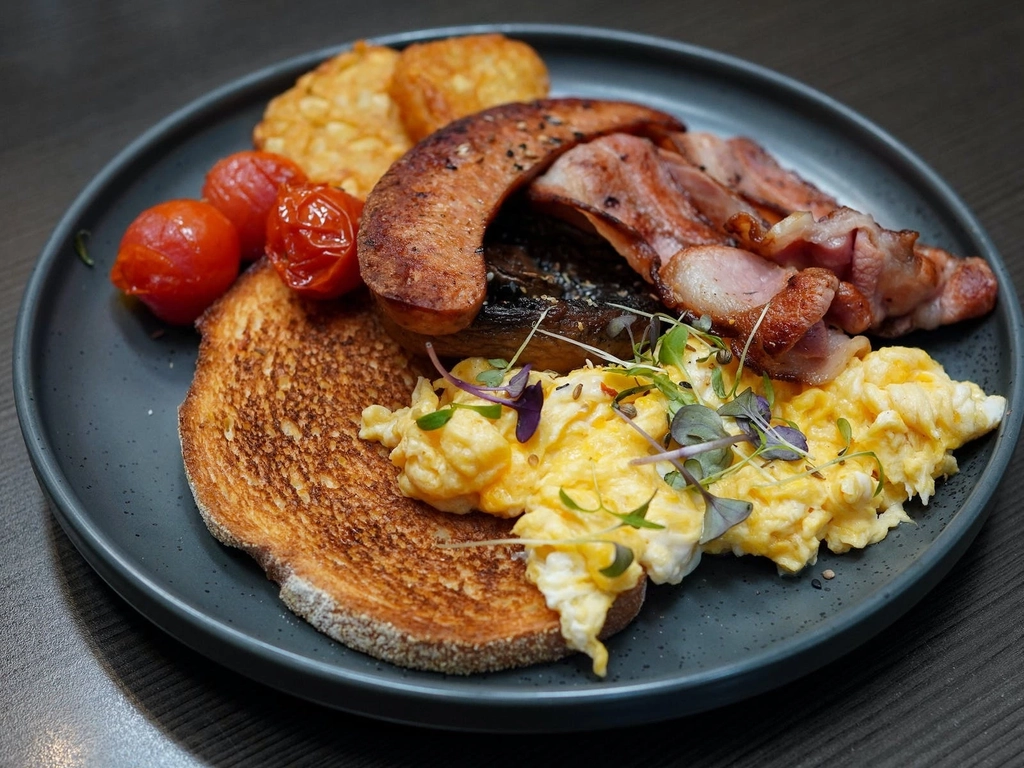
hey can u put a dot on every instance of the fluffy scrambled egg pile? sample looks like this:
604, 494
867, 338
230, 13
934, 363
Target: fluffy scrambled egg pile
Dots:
574, 488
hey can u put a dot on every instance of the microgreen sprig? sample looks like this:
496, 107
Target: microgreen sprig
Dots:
753, 415
493, 377
720, 514
621, 560
81, 249
636, 518
524, 398
846, 432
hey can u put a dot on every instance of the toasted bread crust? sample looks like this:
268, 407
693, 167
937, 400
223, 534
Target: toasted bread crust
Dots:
269, 435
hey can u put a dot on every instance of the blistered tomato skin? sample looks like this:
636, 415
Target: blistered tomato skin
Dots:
243, 187
311, 239
178, 257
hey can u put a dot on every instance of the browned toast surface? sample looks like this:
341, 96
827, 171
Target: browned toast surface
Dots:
269, 434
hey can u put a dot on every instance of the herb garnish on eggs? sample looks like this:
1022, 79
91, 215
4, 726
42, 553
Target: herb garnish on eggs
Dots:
634, 468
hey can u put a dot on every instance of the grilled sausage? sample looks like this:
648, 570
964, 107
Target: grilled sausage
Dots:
421, 234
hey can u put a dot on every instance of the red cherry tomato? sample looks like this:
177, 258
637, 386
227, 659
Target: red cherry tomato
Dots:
177, 257
311, 239
243, 187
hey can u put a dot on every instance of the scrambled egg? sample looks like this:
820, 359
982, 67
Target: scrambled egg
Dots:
572, 482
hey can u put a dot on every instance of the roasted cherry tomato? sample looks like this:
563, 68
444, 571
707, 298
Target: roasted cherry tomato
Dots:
243, 187
311, 239
177, 257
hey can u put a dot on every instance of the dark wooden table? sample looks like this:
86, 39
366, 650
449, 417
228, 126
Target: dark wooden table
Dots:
85, 681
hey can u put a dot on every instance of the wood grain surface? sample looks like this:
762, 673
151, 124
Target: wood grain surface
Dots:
85, 681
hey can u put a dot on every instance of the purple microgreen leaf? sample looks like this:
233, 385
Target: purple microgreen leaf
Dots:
785, 443
747, 405
465, 386
518, 383
721, 514
528, 406
622, 560
653, 333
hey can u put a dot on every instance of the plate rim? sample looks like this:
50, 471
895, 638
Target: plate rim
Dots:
529, 707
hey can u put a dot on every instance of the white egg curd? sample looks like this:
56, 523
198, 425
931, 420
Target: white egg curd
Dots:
733, 462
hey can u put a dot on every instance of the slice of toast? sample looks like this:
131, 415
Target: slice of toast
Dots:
269, 435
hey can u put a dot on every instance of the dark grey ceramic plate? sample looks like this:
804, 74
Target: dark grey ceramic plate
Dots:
97, 396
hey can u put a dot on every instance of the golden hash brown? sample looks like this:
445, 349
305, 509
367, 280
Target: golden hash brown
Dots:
338, 122
437, 82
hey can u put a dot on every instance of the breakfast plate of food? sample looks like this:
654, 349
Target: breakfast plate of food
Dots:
563, 371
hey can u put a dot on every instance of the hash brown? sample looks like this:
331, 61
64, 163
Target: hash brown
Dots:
440, 81
338, 122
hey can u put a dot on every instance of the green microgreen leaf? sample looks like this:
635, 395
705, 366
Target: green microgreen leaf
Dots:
695, 469
675, 394
672, 349
79, 244
623, 559
721, 514
769, 390
697, 425
571, 504
675, 479
638, 517
637, 390
879, 486
846, 432
431, 421
491, 377
717, 383
703, 324
437, 419
746, 345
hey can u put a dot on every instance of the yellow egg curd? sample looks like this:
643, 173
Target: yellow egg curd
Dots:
594, 523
